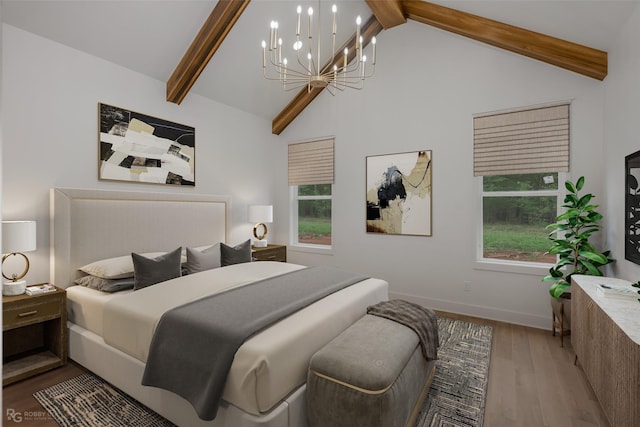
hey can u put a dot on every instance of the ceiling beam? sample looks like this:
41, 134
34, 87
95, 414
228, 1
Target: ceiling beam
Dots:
371, 28
204, 45
388, 12
571, 56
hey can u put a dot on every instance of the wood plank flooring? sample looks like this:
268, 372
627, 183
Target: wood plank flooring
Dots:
532, 383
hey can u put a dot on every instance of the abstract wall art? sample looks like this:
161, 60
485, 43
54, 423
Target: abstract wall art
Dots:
399, 193
632, 208
136, 147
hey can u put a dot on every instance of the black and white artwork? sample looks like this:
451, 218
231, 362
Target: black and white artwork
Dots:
632, 208
399, 193
136, 147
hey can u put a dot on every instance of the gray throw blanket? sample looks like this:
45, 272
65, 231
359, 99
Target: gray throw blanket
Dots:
423, 321
194, 345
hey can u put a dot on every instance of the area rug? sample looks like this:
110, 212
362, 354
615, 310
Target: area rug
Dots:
458, 393
456, 398
88, 401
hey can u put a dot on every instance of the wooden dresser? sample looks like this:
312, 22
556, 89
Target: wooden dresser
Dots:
34, 334
605, 334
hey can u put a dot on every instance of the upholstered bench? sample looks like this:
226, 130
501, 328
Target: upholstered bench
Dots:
372, 375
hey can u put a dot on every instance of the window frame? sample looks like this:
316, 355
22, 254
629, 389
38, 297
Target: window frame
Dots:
521, 267
294, 198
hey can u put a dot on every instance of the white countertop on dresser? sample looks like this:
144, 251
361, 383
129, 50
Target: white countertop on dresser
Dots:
625, 313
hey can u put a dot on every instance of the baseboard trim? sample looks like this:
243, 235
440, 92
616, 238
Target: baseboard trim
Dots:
491, 313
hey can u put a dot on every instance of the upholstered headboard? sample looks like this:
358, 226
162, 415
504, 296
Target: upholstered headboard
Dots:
89, 225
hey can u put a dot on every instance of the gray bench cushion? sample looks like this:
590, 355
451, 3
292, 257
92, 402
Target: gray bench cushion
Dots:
373, 374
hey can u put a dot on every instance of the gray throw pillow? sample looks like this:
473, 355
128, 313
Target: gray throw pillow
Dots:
206, 259
148, 271
235, 254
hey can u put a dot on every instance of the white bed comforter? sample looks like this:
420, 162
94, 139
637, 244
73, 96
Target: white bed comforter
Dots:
268, 366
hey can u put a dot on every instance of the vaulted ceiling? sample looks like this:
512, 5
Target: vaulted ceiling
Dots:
212, 48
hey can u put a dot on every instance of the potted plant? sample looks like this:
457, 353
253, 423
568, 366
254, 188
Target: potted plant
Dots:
570, 236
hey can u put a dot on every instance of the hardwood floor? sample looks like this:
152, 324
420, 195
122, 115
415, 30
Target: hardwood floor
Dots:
20, 408
532, 383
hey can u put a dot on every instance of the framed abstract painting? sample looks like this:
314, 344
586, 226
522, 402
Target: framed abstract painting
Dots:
399, 193
139, 148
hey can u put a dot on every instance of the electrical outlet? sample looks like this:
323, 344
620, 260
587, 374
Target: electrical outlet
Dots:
467, 286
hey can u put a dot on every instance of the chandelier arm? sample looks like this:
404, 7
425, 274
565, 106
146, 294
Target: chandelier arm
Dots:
304, 67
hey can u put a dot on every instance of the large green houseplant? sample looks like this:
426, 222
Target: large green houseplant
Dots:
570, 236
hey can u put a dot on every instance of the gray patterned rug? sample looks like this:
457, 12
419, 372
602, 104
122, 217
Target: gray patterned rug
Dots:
458, 393
88, 401
456, 398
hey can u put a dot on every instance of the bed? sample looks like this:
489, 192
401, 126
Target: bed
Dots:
265, 385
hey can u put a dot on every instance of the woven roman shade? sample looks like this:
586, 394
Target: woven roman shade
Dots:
311, 162
519, 142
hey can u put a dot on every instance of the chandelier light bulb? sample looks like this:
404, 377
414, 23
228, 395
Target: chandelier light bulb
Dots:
358, 20
297, 45
299, 9
310, 11
334, 8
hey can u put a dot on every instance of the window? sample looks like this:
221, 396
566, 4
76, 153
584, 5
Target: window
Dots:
515, 211
313, 219
521, 158
311, 182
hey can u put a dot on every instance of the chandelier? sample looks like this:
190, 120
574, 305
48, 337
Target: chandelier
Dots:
344, 69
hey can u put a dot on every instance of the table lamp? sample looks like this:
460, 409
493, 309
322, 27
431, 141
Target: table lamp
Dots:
17, 237
259, 214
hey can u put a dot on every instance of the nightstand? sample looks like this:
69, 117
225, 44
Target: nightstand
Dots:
270, 253
34, 334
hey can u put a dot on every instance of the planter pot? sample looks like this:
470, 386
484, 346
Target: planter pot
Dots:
561, 316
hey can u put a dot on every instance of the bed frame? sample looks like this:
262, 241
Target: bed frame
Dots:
87, 225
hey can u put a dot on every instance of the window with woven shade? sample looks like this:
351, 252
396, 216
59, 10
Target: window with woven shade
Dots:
311, 167
525, 141
522, 158
311, 162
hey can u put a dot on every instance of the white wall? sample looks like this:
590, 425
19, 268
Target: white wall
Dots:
423, 96
622, 136
50, 114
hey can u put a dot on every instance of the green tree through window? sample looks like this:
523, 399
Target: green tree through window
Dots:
515, 211
314, 214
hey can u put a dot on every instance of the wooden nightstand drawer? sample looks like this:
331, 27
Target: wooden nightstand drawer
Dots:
270, 253
25, 314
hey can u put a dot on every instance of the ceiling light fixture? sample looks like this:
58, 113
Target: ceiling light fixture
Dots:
344, 69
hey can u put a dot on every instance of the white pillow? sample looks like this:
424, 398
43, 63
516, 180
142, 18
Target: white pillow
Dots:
116, 268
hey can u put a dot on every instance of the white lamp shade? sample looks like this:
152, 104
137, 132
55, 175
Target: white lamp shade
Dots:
18, 236
260, 213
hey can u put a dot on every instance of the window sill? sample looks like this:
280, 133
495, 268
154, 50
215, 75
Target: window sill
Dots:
313, 249
529, 268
